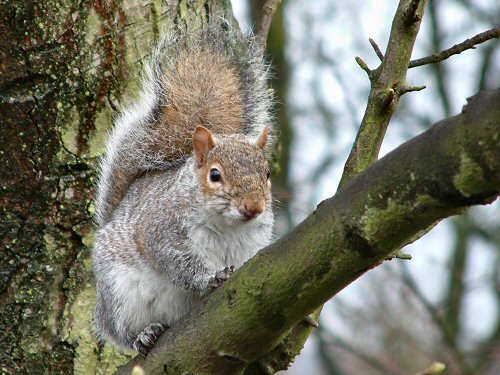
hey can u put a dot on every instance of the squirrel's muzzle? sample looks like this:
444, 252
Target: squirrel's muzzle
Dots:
251, 208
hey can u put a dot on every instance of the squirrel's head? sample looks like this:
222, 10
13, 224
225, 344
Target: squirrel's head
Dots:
233, 174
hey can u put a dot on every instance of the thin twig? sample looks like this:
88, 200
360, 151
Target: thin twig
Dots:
408, 88
399, 255
268, 11
365, 357
433, 312
437, 368
383, 98
363, 66
439, 70
376, 48
457, 48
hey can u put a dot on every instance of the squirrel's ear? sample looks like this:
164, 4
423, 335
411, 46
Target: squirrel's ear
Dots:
203, 142
262, 140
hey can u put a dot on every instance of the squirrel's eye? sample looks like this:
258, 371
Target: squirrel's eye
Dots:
215, 175
268, 173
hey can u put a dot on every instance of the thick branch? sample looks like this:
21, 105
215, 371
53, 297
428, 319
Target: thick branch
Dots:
388, 83
451, 166
457, 48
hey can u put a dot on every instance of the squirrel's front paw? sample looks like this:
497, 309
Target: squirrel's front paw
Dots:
147, 338
219, 278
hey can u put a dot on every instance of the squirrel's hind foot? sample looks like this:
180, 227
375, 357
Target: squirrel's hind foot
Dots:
147, 338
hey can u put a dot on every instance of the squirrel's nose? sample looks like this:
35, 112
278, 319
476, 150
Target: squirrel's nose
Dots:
251, 208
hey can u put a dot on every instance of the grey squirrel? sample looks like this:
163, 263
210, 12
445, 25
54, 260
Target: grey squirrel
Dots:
184, 193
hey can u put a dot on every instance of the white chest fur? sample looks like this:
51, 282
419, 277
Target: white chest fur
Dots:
145, 296
221, 245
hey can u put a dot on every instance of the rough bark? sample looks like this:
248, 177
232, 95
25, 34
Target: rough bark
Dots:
388, 84
440, 173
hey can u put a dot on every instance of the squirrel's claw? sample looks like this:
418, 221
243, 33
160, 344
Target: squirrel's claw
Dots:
147, 338
219, 278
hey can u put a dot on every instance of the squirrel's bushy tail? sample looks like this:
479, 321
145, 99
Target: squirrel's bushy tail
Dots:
213, 78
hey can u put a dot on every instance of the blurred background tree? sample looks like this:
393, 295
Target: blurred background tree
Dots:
449, 294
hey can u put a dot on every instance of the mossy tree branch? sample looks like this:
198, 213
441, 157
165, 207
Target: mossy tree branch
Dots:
450, 167
388, 84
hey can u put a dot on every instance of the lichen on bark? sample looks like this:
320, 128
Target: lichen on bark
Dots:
67, 68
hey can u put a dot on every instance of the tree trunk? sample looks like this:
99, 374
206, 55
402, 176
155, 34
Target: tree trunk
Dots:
64, 66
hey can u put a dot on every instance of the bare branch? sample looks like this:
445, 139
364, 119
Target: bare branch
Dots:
371, 360
434, 314
363, 66
384, 97
437, 368
376, 48
457, 48
408, 88
399, 255
268, 11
